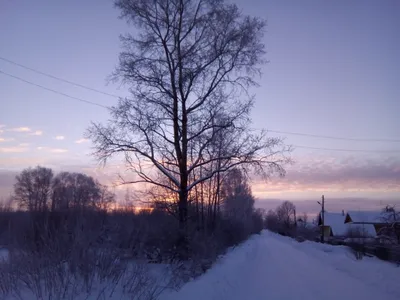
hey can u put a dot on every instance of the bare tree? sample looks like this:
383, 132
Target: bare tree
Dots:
302, 221
32, 189
106, 199
271, 221
238, 199
6, 204
305, 218
163, 199
189, 68
286, 213
391, 217
61, 193
79, 191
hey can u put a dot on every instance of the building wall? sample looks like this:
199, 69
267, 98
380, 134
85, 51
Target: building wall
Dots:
327, 231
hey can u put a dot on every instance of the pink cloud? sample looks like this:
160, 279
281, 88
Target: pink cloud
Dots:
6, 139
37, 133
13, 149
340, 175
58, 150
52, 150
80, 141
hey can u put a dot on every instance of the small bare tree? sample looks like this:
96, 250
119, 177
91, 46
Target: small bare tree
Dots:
6, 204
391, 217
106, 198
286, 213
304, 219
237, 197
189, 69
32, 188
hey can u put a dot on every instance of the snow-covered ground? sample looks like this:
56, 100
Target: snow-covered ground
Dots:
273, 267
3, 253
267, 266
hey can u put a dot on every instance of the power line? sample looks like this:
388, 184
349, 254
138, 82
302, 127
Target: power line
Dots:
275, 131
54, 91
335, 137
116, 96
296, 146
347, 150
58, 78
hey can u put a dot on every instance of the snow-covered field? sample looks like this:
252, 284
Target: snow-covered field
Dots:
267, 266
273, 267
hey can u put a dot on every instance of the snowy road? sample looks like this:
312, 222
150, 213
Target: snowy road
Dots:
274, 267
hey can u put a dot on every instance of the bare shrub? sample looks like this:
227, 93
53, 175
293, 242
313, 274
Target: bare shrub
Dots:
89, 269
305, 230
283, 219
356, 241
65, 254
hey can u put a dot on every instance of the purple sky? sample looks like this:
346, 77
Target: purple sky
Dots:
334, 70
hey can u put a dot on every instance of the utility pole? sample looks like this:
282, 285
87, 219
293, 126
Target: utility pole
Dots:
322, 218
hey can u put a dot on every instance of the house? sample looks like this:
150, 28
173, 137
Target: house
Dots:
371, 221
335, 226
